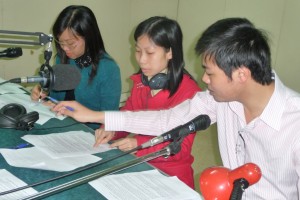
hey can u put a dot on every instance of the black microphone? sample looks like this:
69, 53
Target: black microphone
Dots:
201, 122
62, 77
11, 52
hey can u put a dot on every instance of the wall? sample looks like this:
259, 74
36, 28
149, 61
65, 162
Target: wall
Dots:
117, 19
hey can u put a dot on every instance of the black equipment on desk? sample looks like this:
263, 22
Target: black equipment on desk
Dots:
16, 117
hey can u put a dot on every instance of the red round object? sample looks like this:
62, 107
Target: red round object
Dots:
216, 183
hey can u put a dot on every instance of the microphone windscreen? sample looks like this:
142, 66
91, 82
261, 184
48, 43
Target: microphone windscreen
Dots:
66, 77
202, 122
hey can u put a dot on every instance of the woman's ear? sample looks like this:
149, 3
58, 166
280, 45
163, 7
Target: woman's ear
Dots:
169, 54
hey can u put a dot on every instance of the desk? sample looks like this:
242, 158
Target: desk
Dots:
12, 137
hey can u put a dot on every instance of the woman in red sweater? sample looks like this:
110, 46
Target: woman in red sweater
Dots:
161, 83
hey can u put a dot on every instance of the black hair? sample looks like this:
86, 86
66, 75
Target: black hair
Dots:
235, 42
166, 33
82, 22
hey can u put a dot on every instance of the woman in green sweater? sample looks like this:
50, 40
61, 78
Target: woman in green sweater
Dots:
79, 43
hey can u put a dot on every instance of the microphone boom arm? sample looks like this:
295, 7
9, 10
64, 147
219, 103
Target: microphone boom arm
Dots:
43, 38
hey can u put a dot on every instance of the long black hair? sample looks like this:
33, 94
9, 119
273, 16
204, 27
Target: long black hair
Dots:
166, 33
82, 22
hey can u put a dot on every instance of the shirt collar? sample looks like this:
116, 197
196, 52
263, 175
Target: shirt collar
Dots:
269, 116
277, 101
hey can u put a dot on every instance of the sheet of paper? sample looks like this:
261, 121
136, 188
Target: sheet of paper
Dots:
145, 185
44, 111
68, 144
10, 88
36, 159
8, 182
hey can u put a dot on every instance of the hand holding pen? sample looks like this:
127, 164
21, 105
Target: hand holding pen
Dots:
56, 102
37, 93
41, 95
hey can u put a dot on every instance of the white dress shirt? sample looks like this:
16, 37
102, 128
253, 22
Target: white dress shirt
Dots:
272, 141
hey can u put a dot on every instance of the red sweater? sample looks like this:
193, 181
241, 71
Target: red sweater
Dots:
179, 165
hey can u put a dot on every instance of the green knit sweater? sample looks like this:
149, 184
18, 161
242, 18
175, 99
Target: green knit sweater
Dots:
102, 93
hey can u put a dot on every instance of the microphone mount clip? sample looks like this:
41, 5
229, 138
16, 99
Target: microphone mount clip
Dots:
174, 147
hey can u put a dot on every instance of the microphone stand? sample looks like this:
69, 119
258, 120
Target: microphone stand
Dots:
172, 148
239, 186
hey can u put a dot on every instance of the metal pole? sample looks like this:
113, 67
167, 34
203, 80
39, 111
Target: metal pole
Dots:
164, 152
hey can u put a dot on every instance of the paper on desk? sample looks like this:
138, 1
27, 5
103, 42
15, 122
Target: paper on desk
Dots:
68, 144
36, 159
8, 182
44, 111
145, 185
11, 88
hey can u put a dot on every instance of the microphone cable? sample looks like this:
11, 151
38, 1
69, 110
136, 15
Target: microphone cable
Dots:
54, 127
4, 82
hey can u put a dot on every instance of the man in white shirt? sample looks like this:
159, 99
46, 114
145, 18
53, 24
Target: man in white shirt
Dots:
257, 116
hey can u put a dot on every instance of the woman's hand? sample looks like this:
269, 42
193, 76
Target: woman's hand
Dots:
37, 93
125, 144
102, 136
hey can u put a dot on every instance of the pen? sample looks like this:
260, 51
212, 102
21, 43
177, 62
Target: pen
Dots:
20, 146
56, 102
40, 97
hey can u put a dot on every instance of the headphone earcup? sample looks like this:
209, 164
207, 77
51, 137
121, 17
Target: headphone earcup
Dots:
14, 115
13, 110
159, 81
9, 113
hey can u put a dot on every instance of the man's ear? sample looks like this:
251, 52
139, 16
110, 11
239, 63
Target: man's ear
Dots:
243, 73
